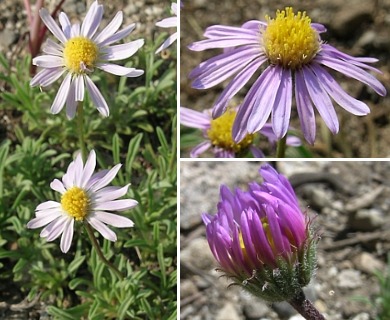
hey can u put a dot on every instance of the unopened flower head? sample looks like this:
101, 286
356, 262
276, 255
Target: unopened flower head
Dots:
261, 239
218, 134
85, 197
79, 52
290, 47
168, 23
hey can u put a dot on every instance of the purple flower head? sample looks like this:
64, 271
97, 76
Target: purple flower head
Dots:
218, 134
295, 58
261, 239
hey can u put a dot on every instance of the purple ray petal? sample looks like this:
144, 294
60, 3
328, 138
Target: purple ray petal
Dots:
264, 100
282, 107
305, 108
350, 104
321, 100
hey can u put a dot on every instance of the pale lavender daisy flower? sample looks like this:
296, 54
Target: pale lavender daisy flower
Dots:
84, 197
168, 23
79, 52
218, 134
295, 57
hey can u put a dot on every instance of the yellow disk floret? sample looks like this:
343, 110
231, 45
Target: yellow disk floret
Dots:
242, 245
76, 203
289, 40
80, 54
220, 133
268, 234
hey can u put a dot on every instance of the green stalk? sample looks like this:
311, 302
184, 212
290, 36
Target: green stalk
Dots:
83, 148
99, 252
281, 147
80, 126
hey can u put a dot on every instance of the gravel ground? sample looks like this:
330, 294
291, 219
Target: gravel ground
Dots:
350, 201
357, 27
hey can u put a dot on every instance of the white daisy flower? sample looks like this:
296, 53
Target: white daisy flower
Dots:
168, 23
79, 52
85, 197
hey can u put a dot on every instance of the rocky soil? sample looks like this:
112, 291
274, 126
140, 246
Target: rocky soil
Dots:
357, 27
350, 203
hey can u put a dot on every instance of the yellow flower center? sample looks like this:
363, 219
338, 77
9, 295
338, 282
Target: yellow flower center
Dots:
268, 234
289, 40
80, 54
76, 203
242, 245
220, 133
264, 222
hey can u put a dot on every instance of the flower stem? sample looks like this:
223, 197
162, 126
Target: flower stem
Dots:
80, 126
281, 147
99, 252
305, 307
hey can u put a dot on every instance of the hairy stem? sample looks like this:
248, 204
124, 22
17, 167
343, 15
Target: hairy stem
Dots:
305, 307
99, 252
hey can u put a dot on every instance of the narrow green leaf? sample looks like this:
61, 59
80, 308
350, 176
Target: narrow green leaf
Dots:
132, 152
74, 265
4, 149
116, 148
161, 262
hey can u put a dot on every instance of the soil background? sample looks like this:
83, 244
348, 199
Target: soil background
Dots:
349, 202
356, 27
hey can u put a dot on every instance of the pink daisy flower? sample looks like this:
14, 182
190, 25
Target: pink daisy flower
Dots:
295, 60
218, 135
79, 52
85, 197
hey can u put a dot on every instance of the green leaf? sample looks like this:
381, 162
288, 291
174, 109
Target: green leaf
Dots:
132, 152
124, 306
76, 312
163, 141
9, 254
161, 262
116, 148
75, 264
74, 283
4, 149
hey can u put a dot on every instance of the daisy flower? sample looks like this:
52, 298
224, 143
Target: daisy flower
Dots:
261, 239
85, 197
295, 60
168, 23
218, 134
79, 52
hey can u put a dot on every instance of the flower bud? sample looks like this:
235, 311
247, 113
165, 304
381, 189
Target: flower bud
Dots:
261, 239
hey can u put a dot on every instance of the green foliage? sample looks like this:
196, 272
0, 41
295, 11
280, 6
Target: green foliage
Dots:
384, 295
380, 303
140, 133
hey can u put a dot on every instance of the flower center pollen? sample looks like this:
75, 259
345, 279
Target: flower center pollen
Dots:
220, 133
80, 55
76, 203
289, 40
